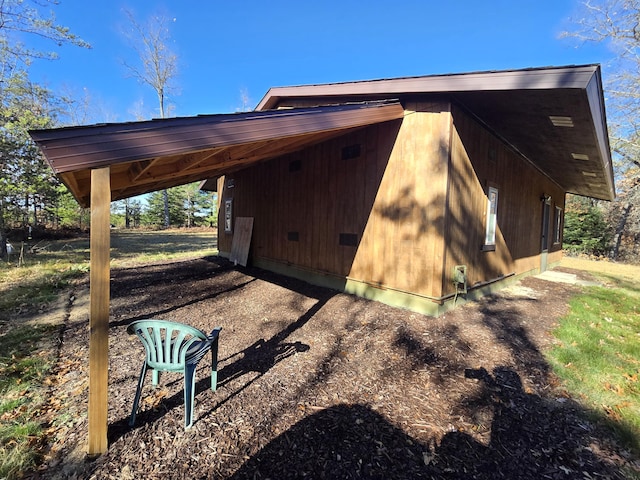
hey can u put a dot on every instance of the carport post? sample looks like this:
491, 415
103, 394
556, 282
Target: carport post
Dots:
99, 310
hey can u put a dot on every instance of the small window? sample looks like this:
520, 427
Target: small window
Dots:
557, 226
228, 216
491, 219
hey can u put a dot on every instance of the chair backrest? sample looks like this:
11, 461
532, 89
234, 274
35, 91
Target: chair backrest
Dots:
165, 342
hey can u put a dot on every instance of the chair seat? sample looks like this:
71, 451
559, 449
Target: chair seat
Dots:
172, 347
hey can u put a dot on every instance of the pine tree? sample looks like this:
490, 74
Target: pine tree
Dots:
585, 228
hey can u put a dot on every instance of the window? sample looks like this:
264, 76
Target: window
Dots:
228, 216
557, 226
491, 219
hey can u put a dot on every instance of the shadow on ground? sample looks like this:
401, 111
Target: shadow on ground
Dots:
531, 438
318, 384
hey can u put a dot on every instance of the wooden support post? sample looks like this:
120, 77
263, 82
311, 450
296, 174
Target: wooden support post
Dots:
99, 310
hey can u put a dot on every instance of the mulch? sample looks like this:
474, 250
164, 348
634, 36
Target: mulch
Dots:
313, 383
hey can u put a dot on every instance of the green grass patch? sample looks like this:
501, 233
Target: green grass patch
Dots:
140, 247
598, 357
23, 366
42, 275
40, 278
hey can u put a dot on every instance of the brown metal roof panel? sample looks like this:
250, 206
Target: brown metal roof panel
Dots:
102, 145
543, 78
156, 126
150, 125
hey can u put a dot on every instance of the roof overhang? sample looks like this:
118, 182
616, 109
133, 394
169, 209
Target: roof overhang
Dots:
153, 155
555, 117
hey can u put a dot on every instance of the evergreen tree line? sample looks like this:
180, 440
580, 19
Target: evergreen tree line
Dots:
188, 207
32, 196
603, 229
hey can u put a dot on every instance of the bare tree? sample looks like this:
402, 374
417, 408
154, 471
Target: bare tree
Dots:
136, 110
616, 23
158, 64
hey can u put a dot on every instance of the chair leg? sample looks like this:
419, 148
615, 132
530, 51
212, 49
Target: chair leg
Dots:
136, 399
214, 365
189, 393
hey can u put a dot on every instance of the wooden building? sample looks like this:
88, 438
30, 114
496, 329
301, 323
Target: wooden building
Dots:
461, 195
411, 191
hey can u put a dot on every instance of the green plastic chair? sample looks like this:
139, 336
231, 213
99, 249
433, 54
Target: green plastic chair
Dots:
174, 347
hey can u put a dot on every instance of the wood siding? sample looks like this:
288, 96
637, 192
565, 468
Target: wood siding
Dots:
407, 200
403, 244
390, 198
479, 160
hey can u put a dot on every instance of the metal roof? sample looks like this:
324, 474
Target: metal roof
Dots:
157, 154
517, 105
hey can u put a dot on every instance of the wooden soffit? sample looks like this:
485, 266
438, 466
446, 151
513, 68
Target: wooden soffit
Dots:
553, 116
157, 154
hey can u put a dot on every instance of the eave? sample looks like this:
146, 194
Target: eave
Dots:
153, 155
517, 105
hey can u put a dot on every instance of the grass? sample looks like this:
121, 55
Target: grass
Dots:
130, 248
23, 368
57, 263
27, 351
598, 355
40, 278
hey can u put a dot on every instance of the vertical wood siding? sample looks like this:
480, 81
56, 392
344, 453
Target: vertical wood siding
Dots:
403, 242
391, 196
480, 160
414, 197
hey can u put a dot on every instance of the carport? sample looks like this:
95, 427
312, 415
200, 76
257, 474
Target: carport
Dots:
107, 162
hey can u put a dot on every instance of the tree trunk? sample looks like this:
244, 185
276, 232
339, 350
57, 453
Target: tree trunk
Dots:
127, 214
3, 245
617, 238
165, 195
3, 235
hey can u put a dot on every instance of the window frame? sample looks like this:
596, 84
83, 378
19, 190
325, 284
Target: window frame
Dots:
228, 215
491, 219
557, 225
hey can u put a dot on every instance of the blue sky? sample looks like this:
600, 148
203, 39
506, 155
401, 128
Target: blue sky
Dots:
226, 47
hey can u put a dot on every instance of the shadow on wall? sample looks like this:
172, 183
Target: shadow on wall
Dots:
530, 438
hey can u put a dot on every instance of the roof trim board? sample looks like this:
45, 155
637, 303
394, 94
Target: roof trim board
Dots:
595, 95
546, 78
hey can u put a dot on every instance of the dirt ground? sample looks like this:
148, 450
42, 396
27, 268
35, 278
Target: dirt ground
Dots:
318, 384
